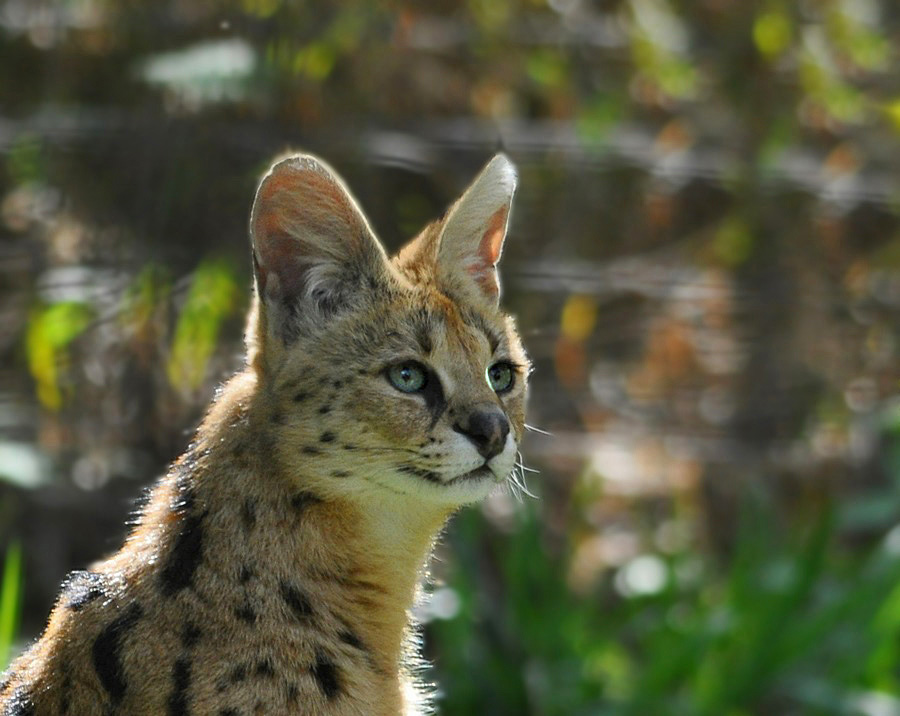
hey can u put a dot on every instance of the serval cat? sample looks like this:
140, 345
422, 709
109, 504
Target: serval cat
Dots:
273, 568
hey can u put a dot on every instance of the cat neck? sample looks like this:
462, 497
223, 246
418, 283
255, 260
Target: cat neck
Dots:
358, 560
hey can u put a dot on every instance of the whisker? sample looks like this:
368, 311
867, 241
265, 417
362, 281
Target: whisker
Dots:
513, 489
527, 469
533, 429
517, 480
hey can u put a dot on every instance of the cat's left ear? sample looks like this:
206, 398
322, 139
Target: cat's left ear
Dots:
473, 232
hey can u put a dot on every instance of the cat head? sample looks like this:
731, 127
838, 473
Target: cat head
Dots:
385, 374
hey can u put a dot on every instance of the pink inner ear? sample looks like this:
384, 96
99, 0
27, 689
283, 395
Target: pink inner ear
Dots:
482, 269
293, 204
278, 254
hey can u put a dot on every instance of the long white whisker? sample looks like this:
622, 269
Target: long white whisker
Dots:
537, 430
518, 479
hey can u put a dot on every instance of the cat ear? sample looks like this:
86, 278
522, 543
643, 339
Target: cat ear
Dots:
474, 230
313, 250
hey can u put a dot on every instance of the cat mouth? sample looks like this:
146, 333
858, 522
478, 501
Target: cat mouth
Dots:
477, 475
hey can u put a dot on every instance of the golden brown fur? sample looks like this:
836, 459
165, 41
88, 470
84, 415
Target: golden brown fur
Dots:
272, 569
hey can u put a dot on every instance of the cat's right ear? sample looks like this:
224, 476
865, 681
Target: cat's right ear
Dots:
314, 254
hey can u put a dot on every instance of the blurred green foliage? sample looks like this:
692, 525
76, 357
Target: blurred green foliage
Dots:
10, 601
50, 331
795, 623
211, 299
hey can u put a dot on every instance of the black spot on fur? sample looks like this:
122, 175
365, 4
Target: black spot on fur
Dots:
351, 639
248, 514
296, 600
265, 668
20, 703
326, 437
300, 397
324, 410
326, 675
185, 557
246, 574
349, 447
245, 613
64, 695
337, 384
81, 588
301, 500
235, 676
229, 712
106, 652
238, 674
181, 681
277, 417
293, 693
340, 473
190, 635
310, 450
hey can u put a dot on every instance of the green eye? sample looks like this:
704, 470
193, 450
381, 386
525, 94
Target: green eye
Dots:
501, 377
409, 377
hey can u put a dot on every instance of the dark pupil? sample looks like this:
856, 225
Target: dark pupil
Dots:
406, 374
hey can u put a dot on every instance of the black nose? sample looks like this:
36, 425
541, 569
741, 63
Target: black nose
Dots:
487, 429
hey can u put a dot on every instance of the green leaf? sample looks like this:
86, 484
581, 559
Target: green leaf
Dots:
50, 330
211, 299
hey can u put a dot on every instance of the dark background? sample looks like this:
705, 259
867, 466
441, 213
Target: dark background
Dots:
704, 259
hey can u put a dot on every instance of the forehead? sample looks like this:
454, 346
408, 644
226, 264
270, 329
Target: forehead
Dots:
437, 322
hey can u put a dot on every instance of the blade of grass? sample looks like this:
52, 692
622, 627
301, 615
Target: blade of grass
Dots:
10, 600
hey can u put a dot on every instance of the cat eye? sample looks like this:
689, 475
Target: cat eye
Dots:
408, 377
501, 376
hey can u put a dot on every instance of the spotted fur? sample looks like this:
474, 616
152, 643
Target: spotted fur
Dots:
273, 568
